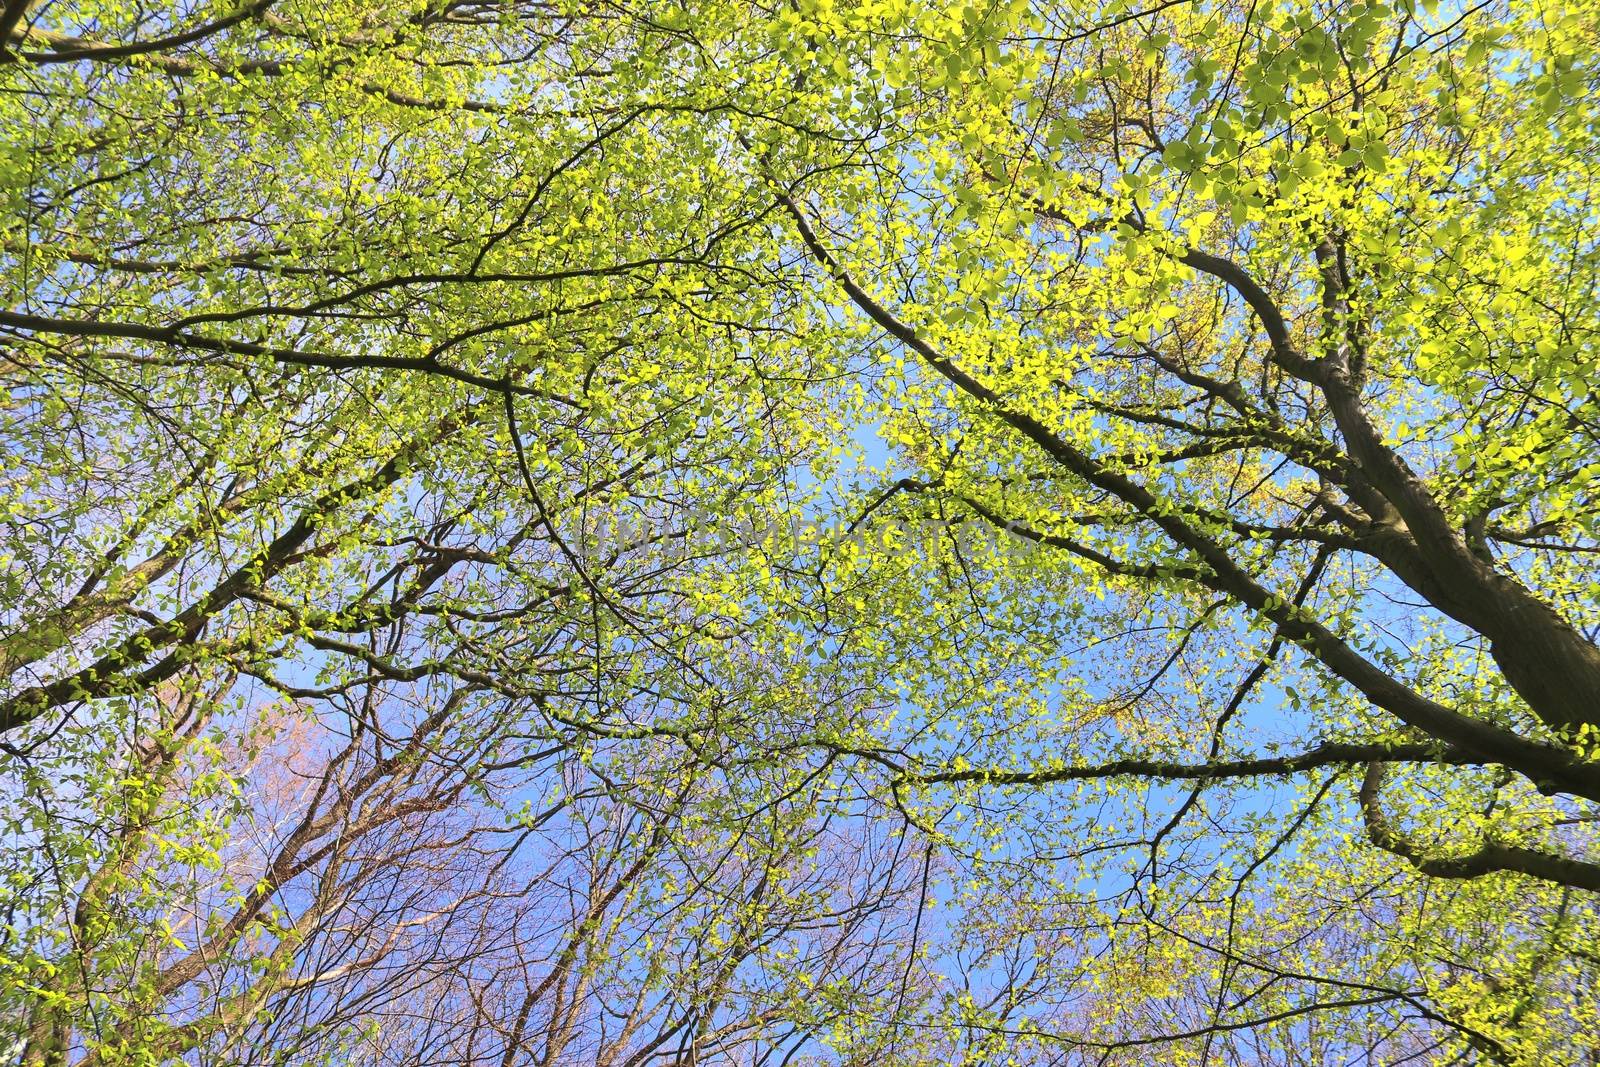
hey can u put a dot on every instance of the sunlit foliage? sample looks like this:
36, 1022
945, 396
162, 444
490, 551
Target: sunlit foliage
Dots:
834, 533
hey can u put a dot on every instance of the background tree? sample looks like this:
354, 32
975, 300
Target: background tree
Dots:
383, 454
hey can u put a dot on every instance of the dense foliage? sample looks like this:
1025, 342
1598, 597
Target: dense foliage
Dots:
836, 533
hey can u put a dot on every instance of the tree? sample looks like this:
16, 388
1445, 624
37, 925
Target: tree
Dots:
1205, 662
422, 513
1271, 326
308, 897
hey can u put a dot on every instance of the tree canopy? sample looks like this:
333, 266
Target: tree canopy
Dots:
861, 533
